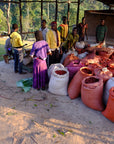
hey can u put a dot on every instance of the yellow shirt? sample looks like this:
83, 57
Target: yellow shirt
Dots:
52, 39
16, 40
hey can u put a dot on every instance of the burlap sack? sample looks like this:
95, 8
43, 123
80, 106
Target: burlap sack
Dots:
74, 87
109, 111
92, 92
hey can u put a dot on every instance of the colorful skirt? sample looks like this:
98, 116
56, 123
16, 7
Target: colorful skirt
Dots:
40, 77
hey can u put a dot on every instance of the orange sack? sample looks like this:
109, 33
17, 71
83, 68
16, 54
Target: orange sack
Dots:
74, 87
69, 59
104, 54
111, 67
103, 73
92, 92
109, 111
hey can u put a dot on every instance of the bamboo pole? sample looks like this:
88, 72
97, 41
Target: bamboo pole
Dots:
78, 8
8, 14
48, 9
20, 18
9, 1
48, 1
56, 11
68, 13
41, 10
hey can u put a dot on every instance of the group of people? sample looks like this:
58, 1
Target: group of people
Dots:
49, 46
52, 44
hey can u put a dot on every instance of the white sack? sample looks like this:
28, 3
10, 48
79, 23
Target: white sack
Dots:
80, 45
109, 84
58, 83
52, 67
82, 55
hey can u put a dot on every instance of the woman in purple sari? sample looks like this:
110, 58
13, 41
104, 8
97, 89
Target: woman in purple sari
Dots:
39, 52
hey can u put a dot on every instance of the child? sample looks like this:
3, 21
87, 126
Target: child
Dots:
8, 48
39, 52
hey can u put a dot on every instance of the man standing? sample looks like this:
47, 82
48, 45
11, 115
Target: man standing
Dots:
63, 29
44, 29
17, 44
53, 39
101, 32
82, 30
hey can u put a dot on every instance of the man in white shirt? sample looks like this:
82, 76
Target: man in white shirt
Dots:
44, 29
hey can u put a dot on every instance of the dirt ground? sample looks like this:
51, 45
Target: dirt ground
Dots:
38, 117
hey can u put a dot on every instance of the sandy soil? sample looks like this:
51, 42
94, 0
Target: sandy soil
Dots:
38, 117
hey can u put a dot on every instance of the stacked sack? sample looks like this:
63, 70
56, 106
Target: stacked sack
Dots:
109, 111
74, 87
52, 67
103, 73
92, 92
111, 66
59, 81
69, 59
73, 68
109, 84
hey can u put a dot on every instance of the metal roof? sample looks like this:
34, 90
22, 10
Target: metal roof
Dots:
107, 2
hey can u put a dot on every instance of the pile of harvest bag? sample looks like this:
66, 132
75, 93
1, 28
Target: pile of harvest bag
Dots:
90, 77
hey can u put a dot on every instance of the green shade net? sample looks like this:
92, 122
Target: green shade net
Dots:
25, 84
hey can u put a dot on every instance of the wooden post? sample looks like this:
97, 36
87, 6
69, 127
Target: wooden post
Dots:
78, 8
8, 13
48, 9
41, 10
109, 7
20, 18
56, 11
68, 13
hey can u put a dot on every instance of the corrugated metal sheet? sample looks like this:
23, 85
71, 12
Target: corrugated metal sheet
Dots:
107, 2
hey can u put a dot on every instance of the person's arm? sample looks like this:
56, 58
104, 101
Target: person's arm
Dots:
77, 39
32, 51
105, 34
96, 35
49, 52
59, 38
48, 49
59, 28
86, 31
69, 41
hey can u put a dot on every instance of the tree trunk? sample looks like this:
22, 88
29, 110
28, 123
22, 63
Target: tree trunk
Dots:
8, 13
48, 9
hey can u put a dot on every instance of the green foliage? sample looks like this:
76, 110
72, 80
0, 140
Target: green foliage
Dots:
10, 113
3, 25
25, 84
2, 50
14, 11
35, 105
31, 13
